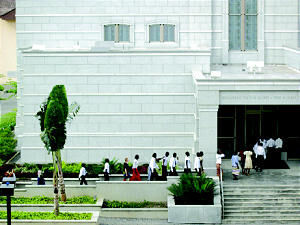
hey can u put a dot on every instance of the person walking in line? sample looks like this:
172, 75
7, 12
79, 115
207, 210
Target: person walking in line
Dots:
106, 170
164, 166
219, 157
260, 157
242, 160
235, 166
172, 164
40, 176
126, 170
248, 162
152, 174
201, 156
82, 175
197, 165
187, 163
135, 173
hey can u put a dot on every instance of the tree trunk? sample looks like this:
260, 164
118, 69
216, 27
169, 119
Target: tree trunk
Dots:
55, 186
61, 177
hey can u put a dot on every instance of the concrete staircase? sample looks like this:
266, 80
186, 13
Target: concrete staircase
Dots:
262, 204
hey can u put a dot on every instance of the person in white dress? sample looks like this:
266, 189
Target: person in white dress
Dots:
248, 162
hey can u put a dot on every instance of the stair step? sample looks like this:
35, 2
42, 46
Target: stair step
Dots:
262, 190
265, 217
260, 221
263, 214
259, 196
256, 204
261, 211
263, 199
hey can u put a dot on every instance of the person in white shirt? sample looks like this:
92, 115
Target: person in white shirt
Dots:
197, 165
201, 161
135, 173
278, 144
187, 163
82, 175
172, 164
260, 157
219, 157
152, 174
106, 170
164, 166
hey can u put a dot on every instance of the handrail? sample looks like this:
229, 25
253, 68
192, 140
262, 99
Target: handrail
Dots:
222, 192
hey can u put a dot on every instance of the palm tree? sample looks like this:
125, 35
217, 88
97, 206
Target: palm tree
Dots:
53, 115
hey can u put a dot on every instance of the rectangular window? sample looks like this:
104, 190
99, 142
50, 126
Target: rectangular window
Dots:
243, 25
109, 32
162, 33
154, 31
117, 33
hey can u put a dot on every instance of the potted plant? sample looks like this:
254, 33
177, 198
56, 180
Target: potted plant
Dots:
194, 199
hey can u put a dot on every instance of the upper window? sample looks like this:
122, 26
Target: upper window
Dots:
162, 33
116, 32
243, 25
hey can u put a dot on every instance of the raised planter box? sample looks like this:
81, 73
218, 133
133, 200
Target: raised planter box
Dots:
195, 213
49, 207
68, 181
93, 221
47, 190
147, 213
136, 191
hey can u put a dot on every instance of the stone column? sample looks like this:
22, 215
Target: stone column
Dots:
208, 105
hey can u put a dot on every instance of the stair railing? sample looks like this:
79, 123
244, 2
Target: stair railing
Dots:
222, 192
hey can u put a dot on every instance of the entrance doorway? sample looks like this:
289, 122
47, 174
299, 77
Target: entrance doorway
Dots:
239, 127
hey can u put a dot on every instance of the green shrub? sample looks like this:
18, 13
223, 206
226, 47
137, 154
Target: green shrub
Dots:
13, 88
46, 216
47, 200
1, 88
123, 204
8, 143
193, 190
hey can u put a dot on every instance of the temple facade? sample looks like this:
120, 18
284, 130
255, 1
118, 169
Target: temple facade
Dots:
160, 75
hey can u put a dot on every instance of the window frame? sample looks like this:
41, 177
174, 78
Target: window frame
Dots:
243, 14
161, 33
116, 31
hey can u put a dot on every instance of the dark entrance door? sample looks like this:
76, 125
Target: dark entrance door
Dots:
239, 127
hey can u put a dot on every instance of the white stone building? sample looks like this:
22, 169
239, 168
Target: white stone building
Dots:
142, 72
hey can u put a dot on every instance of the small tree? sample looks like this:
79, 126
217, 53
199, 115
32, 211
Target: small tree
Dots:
53, 115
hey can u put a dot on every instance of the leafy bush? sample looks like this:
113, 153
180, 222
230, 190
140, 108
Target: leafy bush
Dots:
193, 190
46, 216
1, 88
47, 200
144, 204
8, 143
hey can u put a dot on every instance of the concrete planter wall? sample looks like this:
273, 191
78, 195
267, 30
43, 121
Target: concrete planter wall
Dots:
155, 191
195, 213
47, 191
147, 213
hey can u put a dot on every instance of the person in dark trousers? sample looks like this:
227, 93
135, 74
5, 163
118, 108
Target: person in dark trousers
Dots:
40, 178
197, 165
172, 164
164, 166
201, 155
260, 157
187, 163
106, 170
126, 170
82, 175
